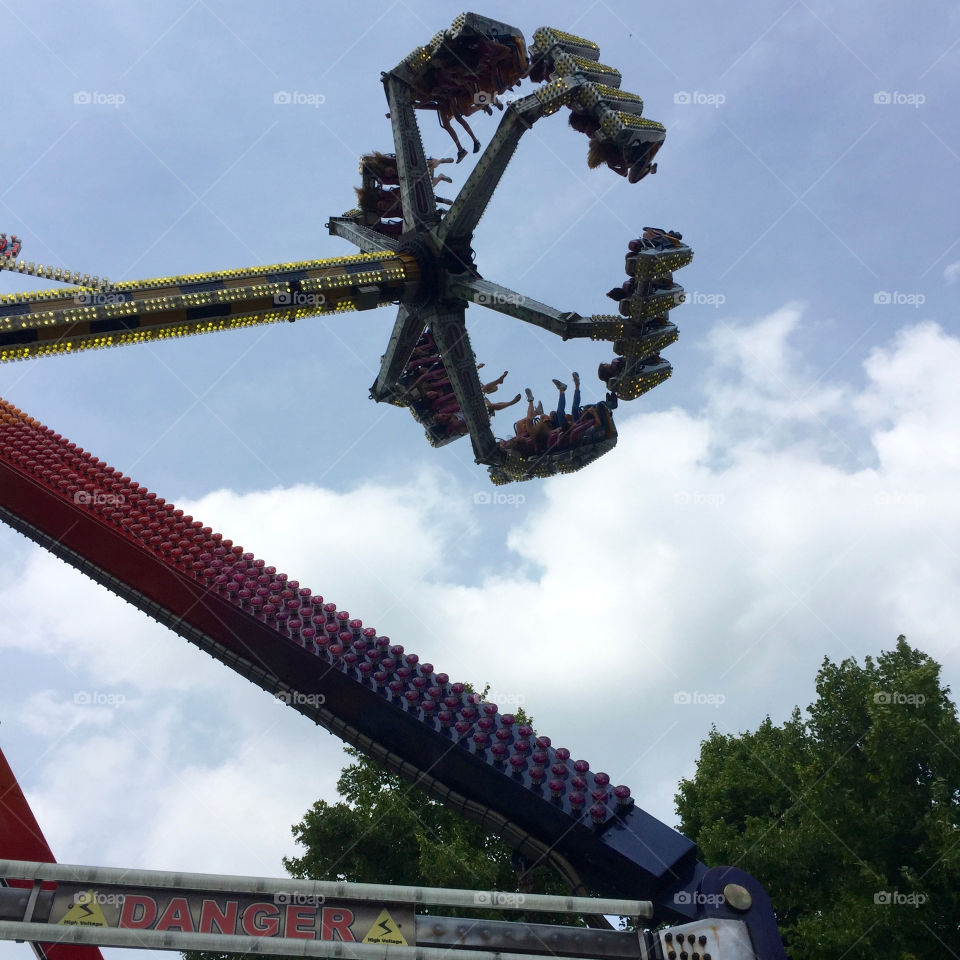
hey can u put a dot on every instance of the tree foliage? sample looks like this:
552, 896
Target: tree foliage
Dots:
384, 830
849, 817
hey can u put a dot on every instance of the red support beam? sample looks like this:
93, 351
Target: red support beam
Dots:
341, 674
22, 839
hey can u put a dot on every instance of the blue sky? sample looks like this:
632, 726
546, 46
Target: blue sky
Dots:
790, 493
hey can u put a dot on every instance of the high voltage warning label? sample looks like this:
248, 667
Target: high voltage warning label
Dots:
86, 912
385, 930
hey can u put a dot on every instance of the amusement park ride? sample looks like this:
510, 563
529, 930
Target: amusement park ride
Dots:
267, 627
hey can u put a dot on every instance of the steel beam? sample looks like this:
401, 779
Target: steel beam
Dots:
588, 943
124, 877
497, 297
416, 178
221, 943
360, 235
463, 216
450, 332
407, 329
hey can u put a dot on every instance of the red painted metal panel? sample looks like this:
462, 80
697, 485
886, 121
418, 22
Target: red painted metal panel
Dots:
22, 839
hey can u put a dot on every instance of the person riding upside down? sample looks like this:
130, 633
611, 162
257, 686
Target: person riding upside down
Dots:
635, 167
465, 77
583, 423
383, 168
385, 203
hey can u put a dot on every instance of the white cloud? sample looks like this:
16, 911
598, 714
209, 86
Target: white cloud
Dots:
663, 568
47, 714
911, 401
761, 385
177, 783
951, 272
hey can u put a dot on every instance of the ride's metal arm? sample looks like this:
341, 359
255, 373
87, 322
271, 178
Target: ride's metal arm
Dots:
497, 297
462, 218
367, 239
406, 331
568, 325
196, 584
416, 180
447, 322
52, 322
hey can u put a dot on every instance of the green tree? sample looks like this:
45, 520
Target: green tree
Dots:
849, 817
384, 830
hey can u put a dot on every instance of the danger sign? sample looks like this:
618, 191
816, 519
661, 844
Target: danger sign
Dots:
281, 915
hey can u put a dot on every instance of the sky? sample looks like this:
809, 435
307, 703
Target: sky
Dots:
789, 494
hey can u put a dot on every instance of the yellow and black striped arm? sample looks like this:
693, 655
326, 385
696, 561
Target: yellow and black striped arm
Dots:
50, 322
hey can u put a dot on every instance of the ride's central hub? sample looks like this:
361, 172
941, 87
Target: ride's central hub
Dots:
428, 267
459, 259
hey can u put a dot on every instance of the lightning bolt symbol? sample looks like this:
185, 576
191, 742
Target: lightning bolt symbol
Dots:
385, 927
